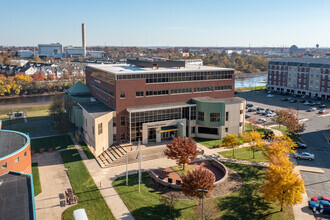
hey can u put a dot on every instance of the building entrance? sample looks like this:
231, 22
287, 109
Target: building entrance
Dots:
169, 135
151, 134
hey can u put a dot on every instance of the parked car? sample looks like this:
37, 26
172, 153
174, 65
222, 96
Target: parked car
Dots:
249, 105
319, 103
312, 104
247, 116
268, 110
323, 111
321, 206
307, 103
323, 106
305, 156
261, 120
303, 96
311, 109
270, 96
302, 101
301, 145
252, 110
293, 101
260, 109
284, 99
271, 115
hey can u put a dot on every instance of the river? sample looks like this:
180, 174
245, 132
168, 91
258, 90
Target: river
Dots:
244, 80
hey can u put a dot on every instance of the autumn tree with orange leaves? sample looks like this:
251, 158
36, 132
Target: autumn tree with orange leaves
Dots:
255, 140
283, 185
200, 178
183, 150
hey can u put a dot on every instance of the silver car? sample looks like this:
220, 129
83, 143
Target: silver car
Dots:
305, 156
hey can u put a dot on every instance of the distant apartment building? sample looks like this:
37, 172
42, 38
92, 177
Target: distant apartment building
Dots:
156, 99
25, 54
301, 76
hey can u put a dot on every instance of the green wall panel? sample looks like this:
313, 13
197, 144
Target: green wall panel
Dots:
207, 108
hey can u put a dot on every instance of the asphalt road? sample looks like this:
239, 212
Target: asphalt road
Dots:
317, 184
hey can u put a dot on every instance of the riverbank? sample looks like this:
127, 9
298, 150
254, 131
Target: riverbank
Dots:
18, 107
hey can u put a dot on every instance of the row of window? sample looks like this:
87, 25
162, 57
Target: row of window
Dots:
4, 165
214, 117
156, 92
226, 87
179, 76
102, 88
181, 90
203, 89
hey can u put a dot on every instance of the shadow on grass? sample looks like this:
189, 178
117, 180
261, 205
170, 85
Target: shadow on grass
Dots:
156, 212
247, 204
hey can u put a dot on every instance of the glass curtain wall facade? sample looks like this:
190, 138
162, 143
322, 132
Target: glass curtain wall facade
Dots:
136, 119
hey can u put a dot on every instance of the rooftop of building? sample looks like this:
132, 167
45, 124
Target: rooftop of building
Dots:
228, 101
78, 89
305, 61
119, 69
96, 109
11, 141
16, 201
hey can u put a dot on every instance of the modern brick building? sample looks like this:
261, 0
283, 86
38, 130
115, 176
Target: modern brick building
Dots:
15, 152
301, 76
157, 99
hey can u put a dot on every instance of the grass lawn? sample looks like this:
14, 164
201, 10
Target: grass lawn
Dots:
179, 169
26, 129
248, 128
36, 179
87, 193
87, 150
34, 113
244, 154
210, 143
246, 203
281, 129
56, 142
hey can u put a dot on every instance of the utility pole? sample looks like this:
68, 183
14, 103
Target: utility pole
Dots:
203, 191
140, 156
126, 167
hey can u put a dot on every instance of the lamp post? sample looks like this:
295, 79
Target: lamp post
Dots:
203, 191
126, 167
139, 157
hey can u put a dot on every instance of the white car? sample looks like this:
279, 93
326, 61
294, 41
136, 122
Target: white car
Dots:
270, 96
261, 120
270, 115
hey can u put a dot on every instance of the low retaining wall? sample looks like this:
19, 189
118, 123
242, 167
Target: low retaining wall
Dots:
164, 183
215, 163
221, 167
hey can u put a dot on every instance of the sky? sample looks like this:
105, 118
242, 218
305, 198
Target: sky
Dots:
205, 23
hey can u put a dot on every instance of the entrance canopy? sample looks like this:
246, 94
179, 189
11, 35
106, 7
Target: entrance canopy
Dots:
169, 128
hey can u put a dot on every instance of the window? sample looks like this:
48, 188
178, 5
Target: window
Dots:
139, 93
203, 89
156, 92
93, 129
200, 116
114, 122
181, 90
205, 130
122, 95
214, 117
227, 116
4, 166
226, 129
193, 130
25, 154
122, 137
99, 128
193, 113
16, 159
226, 87
122, 121
241, 111
114, 137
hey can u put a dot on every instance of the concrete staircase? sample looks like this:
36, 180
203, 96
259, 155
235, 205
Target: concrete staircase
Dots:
114, 152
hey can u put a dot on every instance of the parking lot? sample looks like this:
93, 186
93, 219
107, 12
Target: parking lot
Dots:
317, 184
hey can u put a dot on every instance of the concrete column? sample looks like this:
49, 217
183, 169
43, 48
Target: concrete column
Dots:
144, 135
158, 136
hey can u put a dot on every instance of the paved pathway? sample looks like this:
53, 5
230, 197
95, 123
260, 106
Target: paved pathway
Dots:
54, 182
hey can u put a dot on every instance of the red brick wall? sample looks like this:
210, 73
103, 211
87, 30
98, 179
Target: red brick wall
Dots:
23, 165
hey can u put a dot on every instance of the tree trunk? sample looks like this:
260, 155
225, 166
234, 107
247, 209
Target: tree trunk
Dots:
253, 153
233, 152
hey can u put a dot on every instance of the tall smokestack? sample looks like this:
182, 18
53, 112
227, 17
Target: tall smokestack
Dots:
83, 38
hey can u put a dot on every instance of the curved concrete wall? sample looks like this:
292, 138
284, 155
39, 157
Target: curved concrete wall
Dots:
207, 108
